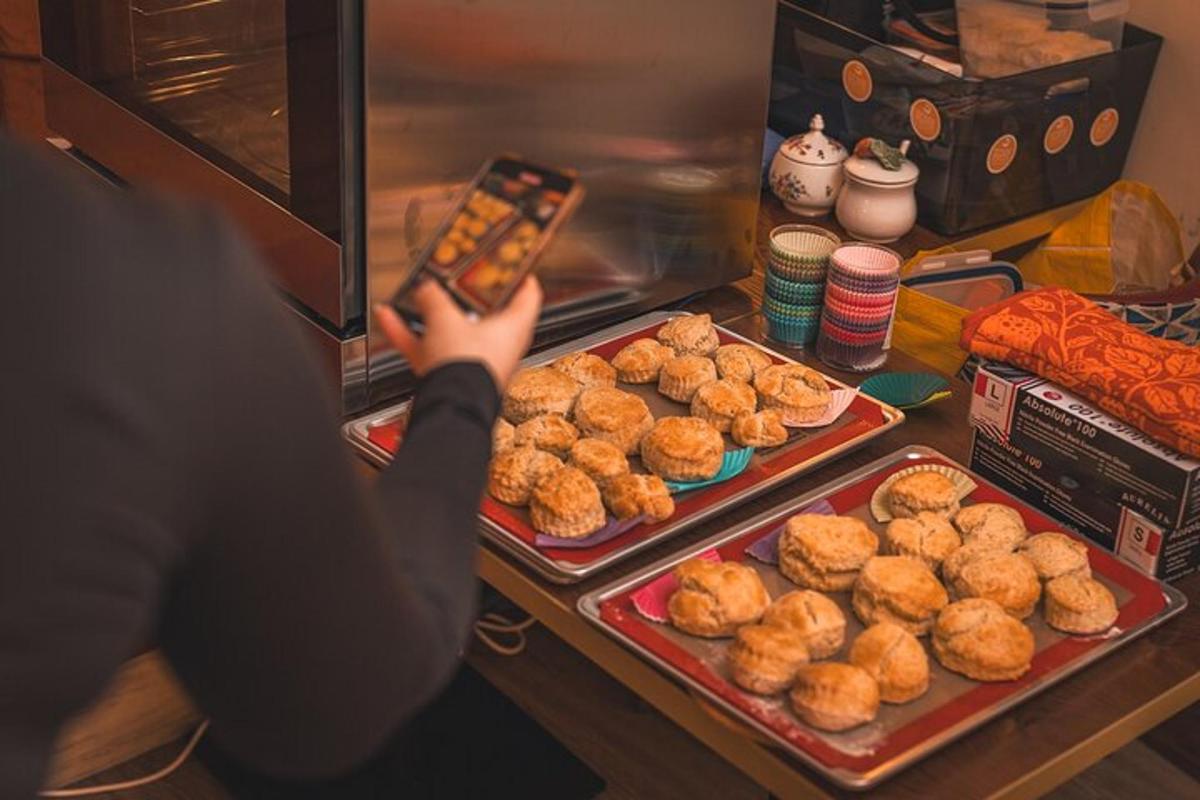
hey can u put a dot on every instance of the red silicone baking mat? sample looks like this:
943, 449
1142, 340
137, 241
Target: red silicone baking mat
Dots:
901, 734
379, 435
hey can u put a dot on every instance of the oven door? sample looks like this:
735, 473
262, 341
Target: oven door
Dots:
252, 104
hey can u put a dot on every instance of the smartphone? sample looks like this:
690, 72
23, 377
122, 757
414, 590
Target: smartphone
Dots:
494, 235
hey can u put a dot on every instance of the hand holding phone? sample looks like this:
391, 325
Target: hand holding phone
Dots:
498, 341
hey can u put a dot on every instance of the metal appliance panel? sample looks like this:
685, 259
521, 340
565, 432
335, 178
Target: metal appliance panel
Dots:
659, 106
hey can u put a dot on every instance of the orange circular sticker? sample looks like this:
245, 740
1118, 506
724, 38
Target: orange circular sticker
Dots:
1104, 127
1058, 134
1001, 154
925, 119
856, 80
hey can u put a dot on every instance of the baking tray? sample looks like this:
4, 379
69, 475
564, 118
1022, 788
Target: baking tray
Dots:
903, 734
378, 435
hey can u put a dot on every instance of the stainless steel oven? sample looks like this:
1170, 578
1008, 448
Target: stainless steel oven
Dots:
337, 133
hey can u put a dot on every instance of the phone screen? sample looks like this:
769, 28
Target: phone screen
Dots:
484, 250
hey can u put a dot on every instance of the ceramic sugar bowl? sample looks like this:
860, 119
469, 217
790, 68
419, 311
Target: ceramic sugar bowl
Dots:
806, 173
878, 203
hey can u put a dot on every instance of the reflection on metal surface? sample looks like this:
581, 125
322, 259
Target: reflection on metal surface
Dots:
659, 106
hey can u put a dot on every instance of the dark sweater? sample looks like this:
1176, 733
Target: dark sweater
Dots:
171, 473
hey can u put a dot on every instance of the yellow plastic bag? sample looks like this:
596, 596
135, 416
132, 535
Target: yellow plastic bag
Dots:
1124, 239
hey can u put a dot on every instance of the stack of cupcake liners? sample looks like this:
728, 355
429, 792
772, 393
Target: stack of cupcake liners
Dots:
795, 289
860, 299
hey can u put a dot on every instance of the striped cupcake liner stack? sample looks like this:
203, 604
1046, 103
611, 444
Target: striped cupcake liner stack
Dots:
860, 300
795, 289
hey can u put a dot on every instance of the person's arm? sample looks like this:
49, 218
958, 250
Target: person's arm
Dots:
312, 617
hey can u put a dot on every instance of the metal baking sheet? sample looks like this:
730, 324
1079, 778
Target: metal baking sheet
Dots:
901, 734
377, 435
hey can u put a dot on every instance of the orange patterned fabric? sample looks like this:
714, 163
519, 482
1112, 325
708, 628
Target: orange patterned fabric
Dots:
1151, 383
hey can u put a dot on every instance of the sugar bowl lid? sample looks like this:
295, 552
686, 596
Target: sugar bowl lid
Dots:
814, 147
868, 169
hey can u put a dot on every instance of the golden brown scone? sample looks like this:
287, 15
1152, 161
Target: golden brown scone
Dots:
1006, 578
991, 525
740, 362
600, 460
924, 490
549, 432
613, 415
721, 401
928, 536
587, 369
761, 429
800, 394
1055, 554
976, 638
900, 590
1079, 604
692, 335
641, 360
825, 552
513, 474
503, 434
715, 599
683, 375
764, 659
566, 503
628, 496
834, 697
816, 618
895, 659
536, 391
683, 449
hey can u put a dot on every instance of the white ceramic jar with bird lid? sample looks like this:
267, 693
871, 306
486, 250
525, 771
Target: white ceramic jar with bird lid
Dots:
806, 172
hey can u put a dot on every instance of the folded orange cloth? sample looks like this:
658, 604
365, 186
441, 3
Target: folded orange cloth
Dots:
1151, 383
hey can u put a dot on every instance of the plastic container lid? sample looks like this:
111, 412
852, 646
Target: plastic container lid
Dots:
1095, 9
814, 147
869, 170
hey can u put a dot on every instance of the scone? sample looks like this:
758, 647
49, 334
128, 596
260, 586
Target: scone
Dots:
715, 599
978, 639
823, 552
613, 415
924, 490
895, 659
818, 620
503, 434
834, 697
692, 335
549, 432
991, 525
513, 473
740, 362
683, 449
641, 360
764, 659
800, 394
628, 496
760, 429
928, 537
587, 369
721, 401
1079, 604
600, 460
683, 375
1005, 578
900, 590
566, 503
1056, 554
536, 391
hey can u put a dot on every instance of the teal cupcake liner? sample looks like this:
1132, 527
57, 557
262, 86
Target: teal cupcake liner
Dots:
792, 332
803, 244
800, 313
795, 292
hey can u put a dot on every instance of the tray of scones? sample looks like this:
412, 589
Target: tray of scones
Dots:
862, 626
611, 443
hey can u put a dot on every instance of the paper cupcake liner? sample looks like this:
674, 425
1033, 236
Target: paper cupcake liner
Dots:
841, 294
651, 600
961, 480
766, 548
795, 292
792, 332
831, 329
859, 315
839, 401
865, 259
803, 241
783, 310
611, 530
733, 464
848, 283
